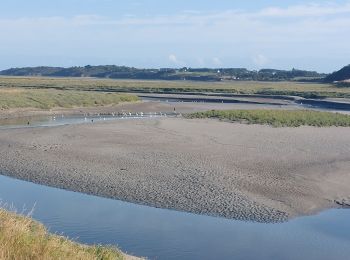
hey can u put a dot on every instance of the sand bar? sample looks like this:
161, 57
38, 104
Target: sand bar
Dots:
246, 172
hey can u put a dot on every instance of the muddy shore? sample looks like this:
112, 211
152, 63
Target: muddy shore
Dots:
148, 106
245, 172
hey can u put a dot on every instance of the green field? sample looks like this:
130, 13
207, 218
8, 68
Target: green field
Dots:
278, 118
51, 98
307, 90
23, 238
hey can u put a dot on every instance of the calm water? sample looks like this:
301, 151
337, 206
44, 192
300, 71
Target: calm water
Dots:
165, 234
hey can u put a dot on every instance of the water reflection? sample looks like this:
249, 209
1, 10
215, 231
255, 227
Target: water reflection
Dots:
165, 234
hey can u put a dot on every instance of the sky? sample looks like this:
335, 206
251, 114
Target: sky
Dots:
312, 35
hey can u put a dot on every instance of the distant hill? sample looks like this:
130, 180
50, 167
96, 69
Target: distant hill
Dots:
199, 74
340, 75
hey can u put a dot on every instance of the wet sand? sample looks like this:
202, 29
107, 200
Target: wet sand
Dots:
246, 172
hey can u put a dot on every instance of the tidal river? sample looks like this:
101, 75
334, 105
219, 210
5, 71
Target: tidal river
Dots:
166, 234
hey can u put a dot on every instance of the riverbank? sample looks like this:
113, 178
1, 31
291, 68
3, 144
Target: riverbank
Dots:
23, 238
137, 107
45, 99
278, 118
20, 102
247, 172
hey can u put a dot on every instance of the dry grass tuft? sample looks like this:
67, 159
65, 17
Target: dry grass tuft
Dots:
23, 238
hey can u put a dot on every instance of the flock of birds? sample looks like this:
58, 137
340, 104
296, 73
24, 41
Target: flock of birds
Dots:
121, 115
91, 117
125, 115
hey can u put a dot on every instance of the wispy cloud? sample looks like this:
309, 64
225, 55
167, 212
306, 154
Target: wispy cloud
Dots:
196, 18
230, 36
260, 60
309, 10
173, 58
217, 61
175, 61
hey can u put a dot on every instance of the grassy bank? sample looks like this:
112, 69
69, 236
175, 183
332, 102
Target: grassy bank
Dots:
308, 90
50, 98
23, 238
278, 118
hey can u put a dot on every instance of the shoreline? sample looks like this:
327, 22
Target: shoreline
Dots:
26, 238
165, 104
33, 112
139, 106
246, 172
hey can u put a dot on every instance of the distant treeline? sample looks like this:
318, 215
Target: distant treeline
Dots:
199, 74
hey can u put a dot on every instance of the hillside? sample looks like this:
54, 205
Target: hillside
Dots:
195, 74
340, 75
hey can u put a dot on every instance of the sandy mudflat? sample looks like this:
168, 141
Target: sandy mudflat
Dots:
239, 171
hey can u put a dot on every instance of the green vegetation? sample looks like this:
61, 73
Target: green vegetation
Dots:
307, 90
340, 75
344, 84
23, 238
201, 74
49, 98
278, 118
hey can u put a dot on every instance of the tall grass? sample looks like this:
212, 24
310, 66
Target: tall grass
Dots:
50, 98
22, 238
278, 118
238, 87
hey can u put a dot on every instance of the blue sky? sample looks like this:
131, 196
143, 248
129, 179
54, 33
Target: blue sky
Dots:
311, 35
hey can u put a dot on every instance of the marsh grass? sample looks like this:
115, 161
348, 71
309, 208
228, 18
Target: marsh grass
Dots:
307, 90
50, 98
278, 118
23, 238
